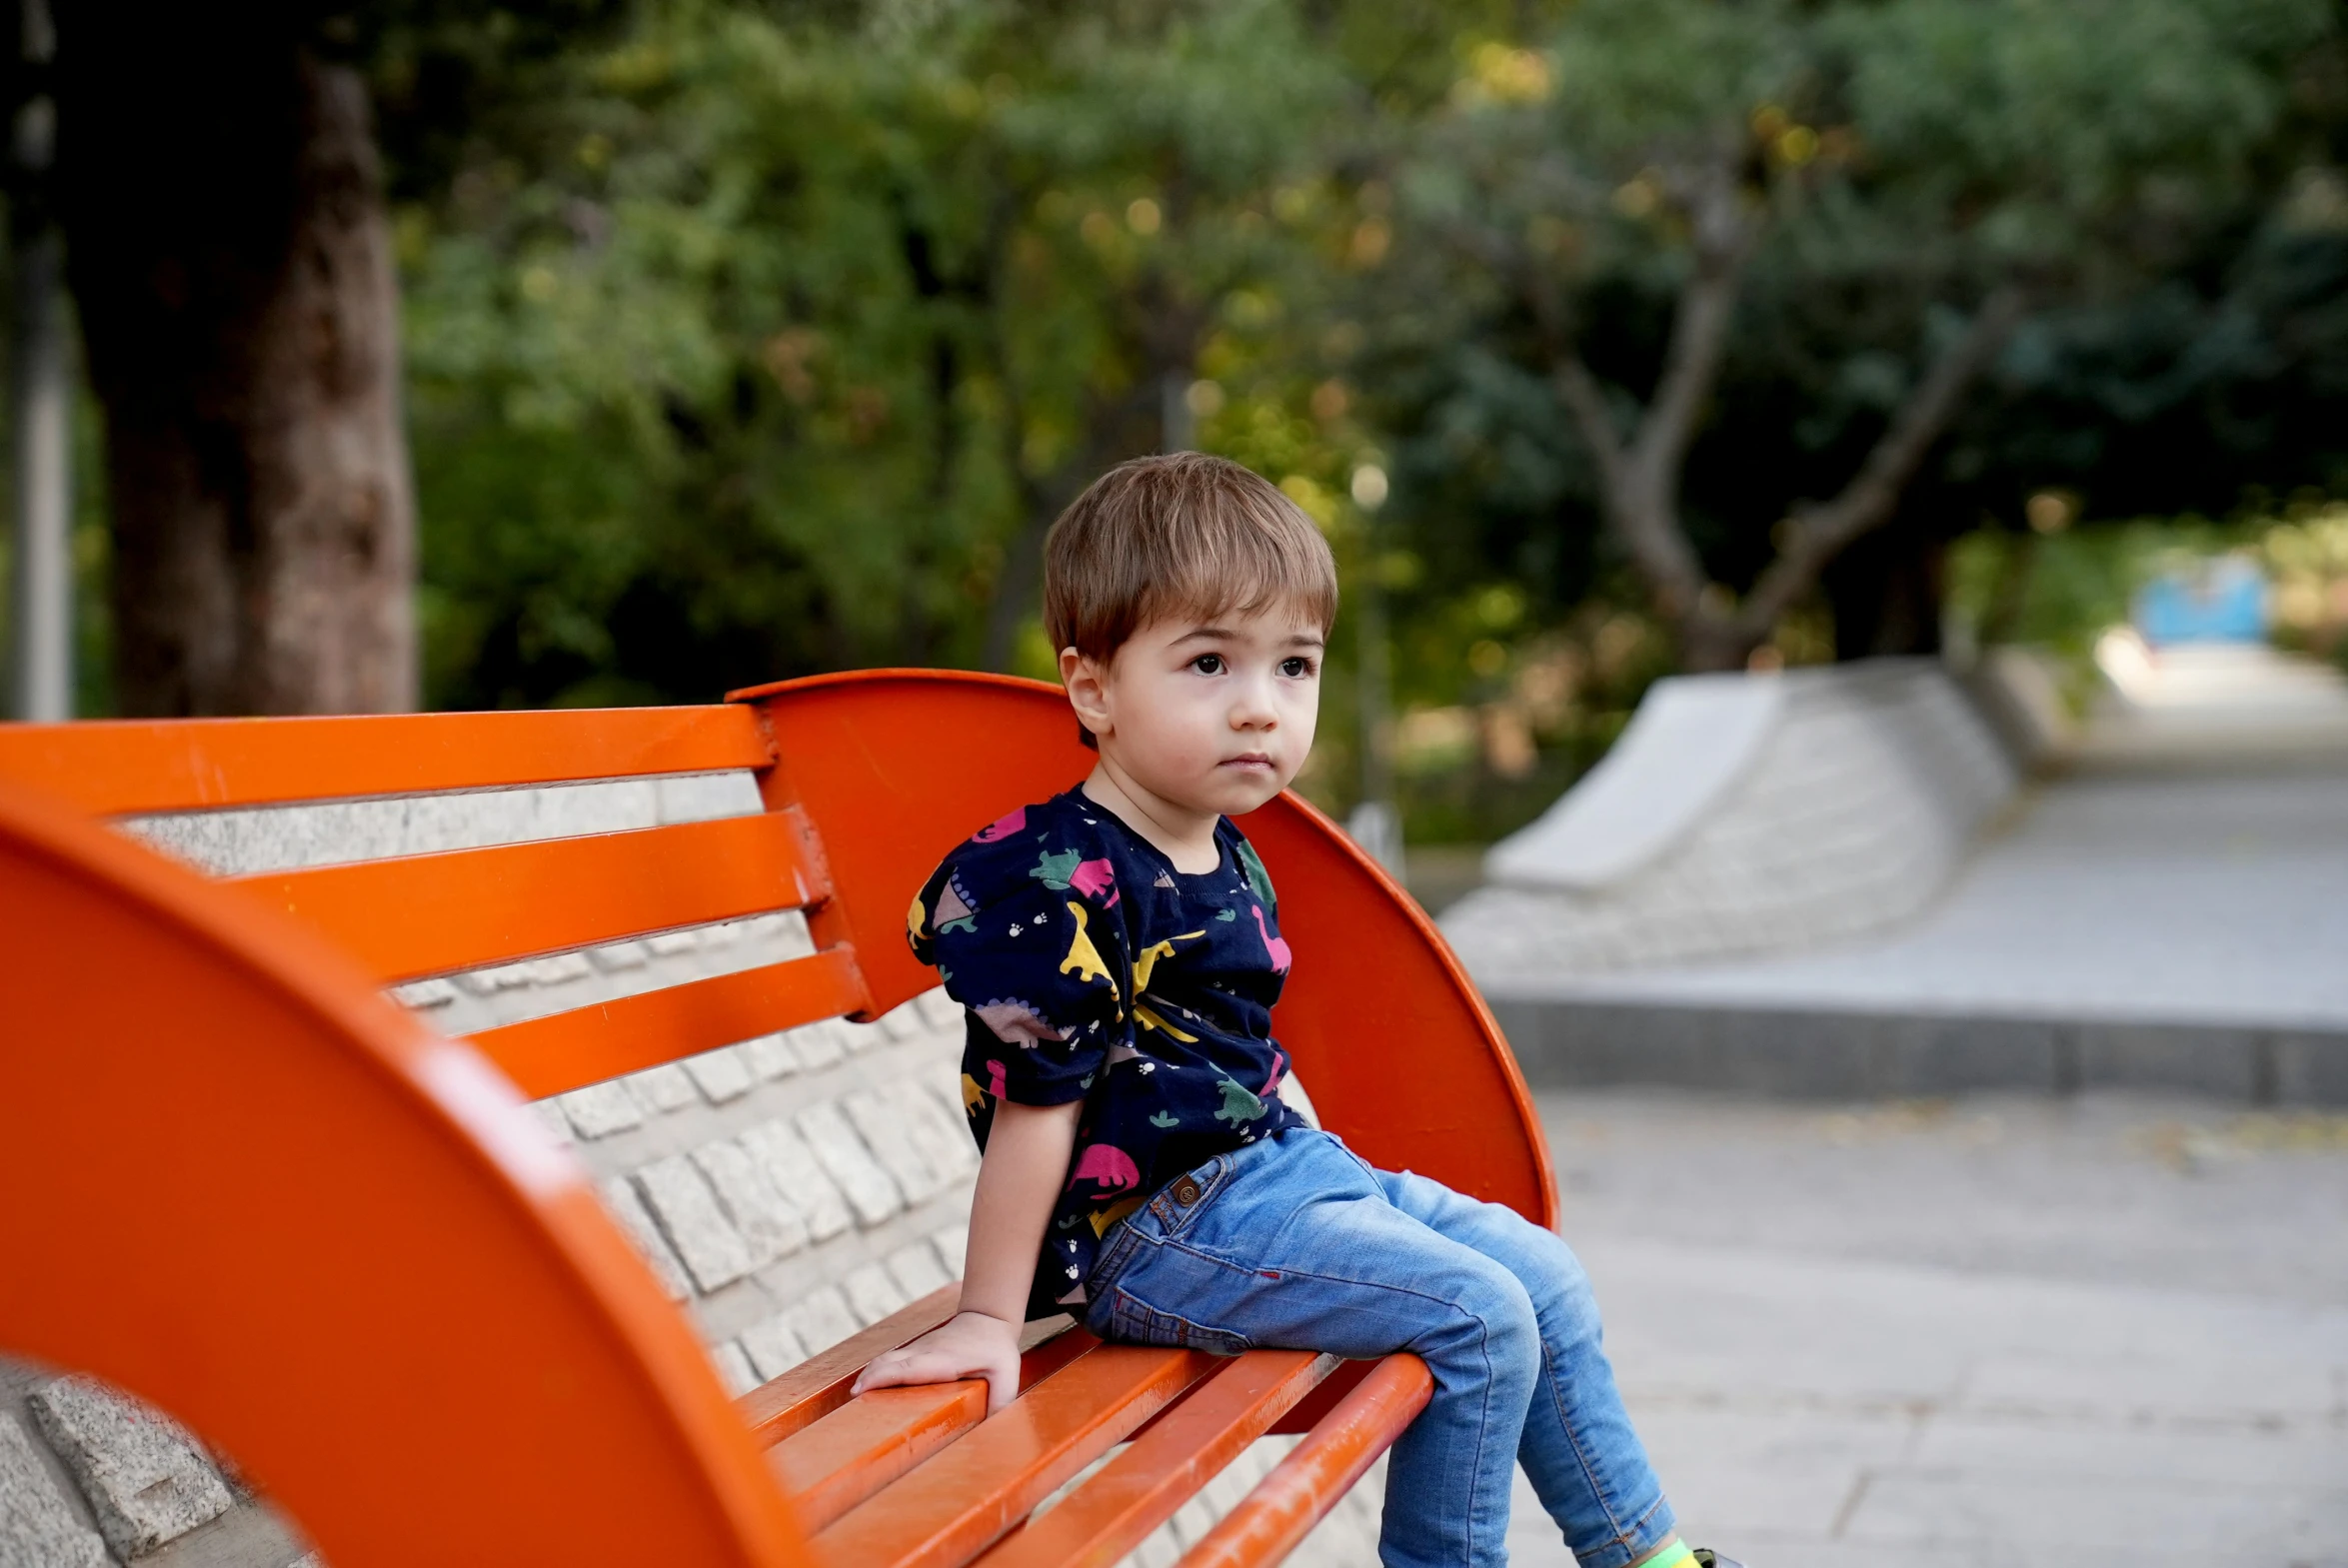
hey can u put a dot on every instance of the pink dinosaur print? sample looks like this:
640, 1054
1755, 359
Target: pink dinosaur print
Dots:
1095, 877
994, 1084
1108, 1164
1277, 947
1002, 828
1280, 1065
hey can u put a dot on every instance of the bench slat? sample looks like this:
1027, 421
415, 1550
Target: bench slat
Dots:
116, 766
568, 1050
1286, 1504
855, 1450
818, 1385
430, 914
964, 1498
1182, 1450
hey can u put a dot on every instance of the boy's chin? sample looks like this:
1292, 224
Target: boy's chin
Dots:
1235, 796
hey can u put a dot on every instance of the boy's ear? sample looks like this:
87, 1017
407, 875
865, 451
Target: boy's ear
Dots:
1088, 692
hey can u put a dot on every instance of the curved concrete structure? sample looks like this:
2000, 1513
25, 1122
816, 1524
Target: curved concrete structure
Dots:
1690, 742
1738, 814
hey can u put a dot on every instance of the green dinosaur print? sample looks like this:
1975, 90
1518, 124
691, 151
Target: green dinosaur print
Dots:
1227, 914
1257, 878
1237, 1105
967, 925
1165, 1119
1056, 871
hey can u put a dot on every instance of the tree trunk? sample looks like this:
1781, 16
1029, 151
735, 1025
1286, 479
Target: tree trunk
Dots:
231, 259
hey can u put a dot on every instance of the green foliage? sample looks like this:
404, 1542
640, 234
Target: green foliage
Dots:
754, 339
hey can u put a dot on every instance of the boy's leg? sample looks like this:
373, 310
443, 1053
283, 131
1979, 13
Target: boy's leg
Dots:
1292, 1243
1579, 1449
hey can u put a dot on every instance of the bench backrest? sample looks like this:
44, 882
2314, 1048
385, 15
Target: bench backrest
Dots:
865, 781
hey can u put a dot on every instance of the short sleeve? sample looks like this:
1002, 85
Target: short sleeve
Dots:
1040, 969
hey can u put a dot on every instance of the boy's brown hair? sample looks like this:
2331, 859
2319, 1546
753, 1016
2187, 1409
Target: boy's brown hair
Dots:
1179, 535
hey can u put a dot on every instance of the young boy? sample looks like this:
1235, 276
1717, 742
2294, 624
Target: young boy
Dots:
1118, 950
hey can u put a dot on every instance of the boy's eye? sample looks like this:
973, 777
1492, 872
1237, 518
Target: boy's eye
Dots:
1208, 664
1295, 666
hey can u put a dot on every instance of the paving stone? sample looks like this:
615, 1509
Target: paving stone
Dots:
904, 1022
859, 1038
627, 1206
940, 1137
869, 1189
917, 1269
768, 1220
820, 1319
887, 1133
620, 955
550, 1116
146, 1480
669, 944
734, 1368
772, 1347
701, 798
871, 1295
941, 1011
423, 995
691, 1217
554, 970
664, 1087
720, 1075
38, 1527
953, 1244
771, 1056
601, 1109
819, 1044
796, 1173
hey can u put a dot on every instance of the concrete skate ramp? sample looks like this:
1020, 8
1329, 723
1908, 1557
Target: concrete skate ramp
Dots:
2164, 910
1740, 814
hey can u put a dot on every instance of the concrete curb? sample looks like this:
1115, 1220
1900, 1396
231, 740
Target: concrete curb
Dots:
1828, 1053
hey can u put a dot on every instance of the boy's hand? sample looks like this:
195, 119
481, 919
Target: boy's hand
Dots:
969, 1344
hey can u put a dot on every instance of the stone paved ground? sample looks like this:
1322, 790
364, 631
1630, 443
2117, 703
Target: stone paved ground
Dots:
2011, 1332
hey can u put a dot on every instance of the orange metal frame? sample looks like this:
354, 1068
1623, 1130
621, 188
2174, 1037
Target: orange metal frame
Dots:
338, 1247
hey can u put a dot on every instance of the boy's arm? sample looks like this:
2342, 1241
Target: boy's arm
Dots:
1028, 1151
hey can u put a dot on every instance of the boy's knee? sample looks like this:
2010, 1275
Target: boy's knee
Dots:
1506, 1317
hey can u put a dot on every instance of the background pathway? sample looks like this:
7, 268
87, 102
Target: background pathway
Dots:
1997, 1331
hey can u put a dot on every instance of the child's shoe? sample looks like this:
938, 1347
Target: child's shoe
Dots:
1707, 1558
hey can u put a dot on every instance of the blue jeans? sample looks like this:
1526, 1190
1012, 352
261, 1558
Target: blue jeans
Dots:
1296, 1243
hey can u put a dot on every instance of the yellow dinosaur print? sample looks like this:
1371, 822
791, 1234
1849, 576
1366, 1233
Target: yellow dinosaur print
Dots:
913, 919
1149, 1020
1147, 959
972, 1093
1102, 1218
1082, 958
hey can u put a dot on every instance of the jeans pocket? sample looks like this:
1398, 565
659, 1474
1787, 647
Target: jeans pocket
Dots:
1135, 1323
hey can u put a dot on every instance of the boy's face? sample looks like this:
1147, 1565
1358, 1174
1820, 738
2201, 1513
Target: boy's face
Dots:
1214, 715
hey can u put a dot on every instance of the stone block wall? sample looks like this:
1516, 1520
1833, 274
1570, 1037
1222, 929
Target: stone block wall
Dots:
785, 1191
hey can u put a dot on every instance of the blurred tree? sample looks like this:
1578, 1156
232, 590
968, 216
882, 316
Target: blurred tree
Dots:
222, 198
765, 342
1911, 177
221, 205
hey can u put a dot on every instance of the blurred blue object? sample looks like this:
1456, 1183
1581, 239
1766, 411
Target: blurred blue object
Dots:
2217, 600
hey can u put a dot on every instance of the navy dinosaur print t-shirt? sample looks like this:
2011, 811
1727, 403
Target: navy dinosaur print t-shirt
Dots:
1091, 969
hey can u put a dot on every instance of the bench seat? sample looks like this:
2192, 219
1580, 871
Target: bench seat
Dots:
506, 1367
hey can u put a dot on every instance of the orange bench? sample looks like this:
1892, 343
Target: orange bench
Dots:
337, 1245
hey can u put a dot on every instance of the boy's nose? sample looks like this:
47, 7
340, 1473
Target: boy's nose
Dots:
1254, 710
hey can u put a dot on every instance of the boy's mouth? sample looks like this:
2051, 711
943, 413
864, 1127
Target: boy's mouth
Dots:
1248, 762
